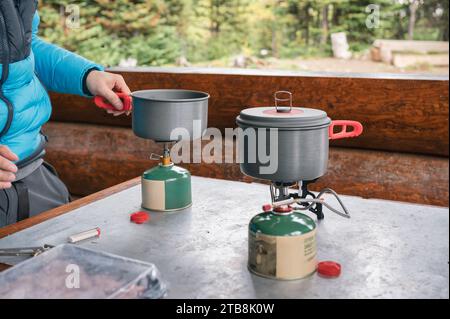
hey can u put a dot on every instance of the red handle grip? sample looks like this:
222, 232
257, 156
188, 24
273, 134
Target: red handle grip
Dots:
126, 100
357, 129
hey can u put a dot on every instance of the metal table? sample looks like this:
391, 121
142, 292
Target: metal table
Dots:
387, 249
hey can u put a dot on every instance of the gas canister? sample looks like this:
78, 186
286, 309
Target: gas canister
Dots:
166, 187
282, 244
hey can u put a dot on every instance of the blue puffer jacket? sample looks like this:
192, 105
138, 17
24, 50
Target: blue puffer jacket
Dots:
46, 67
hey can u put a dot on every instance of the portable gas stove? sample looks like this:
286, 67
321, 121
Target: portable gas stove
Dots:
282, 239
157, 115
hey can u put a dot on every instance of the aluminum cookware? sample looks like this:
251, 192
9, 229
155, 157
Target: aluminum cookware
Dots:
300, 150
157, 113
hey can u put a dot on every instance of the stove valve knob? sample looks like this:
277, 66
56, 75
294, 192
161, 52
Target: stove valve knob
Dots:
267, 208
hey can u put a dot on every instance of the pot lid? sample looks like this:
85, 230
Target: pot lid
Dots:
283, 116
297, 117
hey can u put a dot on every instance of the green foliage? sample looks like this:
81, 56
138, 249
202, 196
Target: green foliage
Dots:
157, 32
114, 30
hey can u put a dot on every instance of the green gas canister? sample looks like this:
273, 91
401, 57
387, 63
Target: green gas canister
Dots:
282, 244
166, 187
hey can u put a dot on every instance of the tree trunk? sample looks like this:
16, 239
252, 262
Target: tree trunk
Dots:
336, 15
307, 21
274, 41
325, 26
412, 18
214, 27
444, 26
62, 19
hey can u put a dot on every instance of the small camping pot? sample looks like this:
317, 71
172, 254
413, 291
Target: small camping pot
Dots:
296, 138
158, 113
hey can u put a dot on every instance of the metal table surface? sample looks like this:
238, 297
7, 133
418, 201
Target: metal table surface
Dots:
387, 249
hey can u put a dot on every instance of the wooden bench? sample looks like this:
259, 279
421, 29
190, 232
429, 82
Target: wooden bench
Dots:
404, 53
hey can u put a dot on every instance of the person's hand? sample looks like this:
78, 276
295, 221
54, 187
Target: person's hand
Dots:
7, 168
104, 84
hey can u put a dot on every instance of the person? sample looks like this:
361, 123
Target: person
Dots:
29, 66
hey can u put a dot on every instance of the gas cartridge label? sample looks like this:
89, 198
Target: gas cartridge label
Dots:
283, 257
153, 194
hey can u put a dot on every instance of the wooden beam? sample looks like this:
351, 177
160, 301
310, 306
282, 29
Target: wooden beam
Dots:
399, 114
413, 46
3, 267
401, 60
90, 158
388, 48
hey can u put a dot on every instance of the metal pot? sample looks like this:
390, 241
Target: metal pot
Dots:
157, 113
303, 136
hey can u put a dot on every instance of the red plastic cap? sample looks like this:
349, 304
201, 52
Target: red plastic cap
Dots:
139, 217
267, 208
329, 269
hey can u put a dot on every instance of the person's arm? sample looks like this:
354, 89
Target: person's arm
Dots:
66, 72
58, 69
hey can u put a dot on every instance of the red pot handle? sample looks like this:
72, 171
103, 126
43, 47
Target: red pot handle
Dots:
357, 129
126, 100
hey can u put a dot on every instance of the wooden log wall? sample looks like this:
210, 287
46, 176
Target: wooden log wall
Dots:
400, 114
402, 154
90, 158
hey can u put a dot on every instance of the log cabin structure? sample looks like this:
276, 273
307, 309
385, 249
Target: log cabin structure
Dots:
402, 154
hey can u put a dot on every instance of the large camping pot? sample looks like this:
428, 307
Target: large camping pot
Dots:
296, 141
160, 115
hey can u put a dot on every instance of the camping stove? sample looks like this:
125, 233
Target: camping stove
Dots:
166, 187
157, 114
282, 239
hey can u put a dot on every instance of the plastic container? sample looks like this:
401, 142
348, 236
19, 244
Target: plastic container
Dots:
73, 272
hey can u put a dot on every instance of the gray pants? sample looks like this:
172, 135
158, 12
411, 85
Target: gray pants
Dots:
38, 192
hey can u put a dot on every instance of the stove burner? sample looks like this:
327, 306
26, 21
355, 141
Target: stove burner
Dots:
281, 195
317, 208
280, 192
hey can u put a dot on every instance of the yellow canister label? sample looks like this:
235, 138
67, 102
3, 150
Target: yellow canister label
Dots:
153, 194
283, 257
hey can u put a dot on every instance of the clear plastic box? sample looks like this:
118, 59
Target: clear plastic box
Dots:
73, 272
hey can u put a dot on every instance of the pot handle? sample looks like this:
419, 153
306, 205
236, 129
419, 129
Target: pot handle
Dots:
357, 129
278, 98
126, 100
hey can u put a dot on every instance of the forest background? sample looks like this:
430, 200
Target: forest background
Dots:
164, 32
